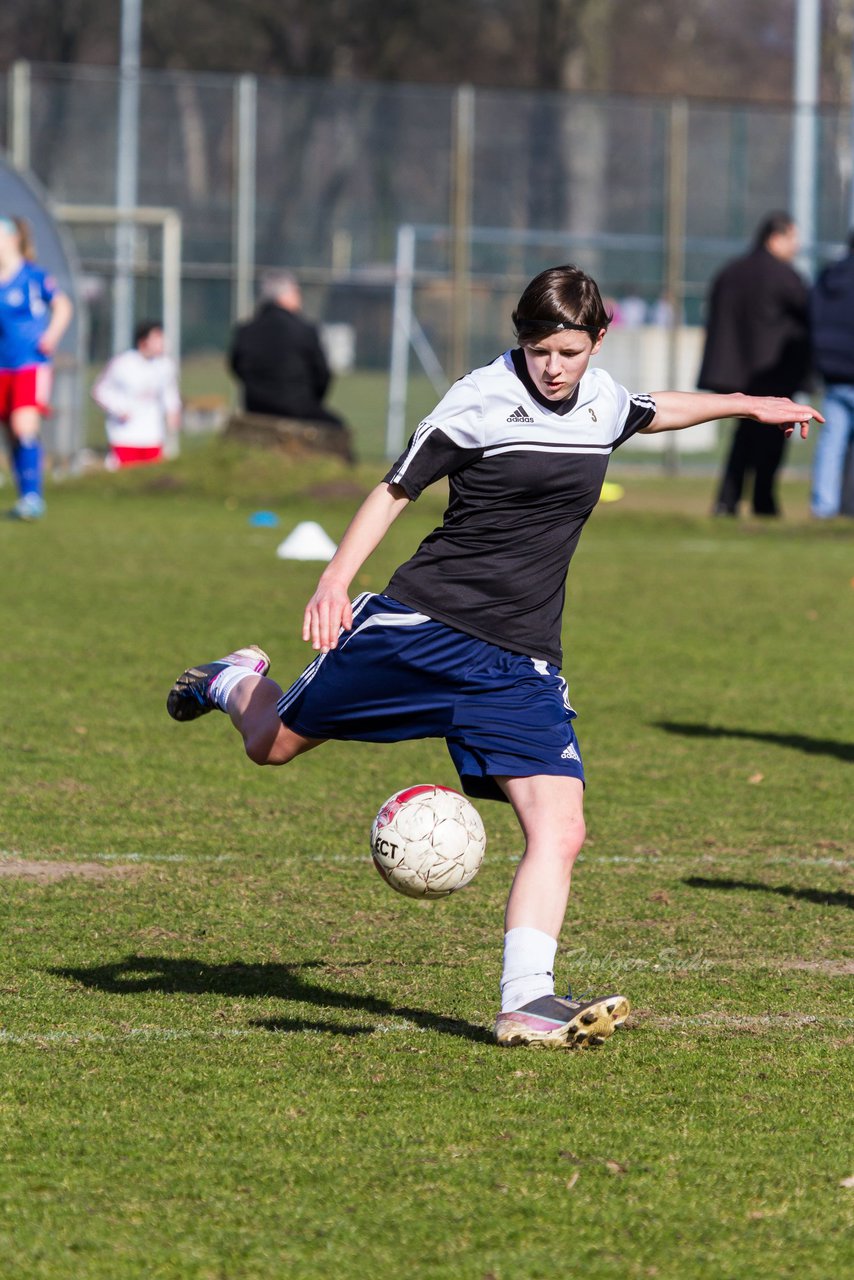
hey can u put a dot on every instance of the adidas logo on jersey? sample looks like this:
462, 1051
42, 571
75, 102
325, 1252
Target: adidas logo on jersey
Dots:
570, 753
519, 415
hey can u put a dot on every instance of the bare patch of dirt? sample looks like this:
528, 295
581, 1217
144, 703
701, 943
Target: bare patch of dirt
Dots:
43, 872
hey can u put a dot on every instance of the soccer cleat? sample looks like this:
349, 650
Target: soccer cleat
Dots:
31, 506
562, 1023
188, 698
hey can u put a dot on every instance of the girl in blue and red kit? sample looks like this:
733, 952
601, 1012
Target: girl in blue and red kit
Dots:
34, 315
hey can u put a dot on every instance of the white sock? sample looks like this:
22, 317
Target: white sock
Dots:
221, 686
528, 973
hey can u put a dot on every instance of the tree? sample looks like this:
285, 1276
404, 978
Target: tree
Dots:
736, 49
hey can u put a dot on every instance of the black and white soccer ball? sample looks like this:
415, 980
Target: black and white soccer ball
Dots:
427, 841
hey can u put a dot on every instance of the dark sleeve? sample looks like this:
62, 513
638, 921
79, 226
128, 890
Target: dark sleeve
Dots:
430, 455
234, 353
319, 366
796, 298
723, 364
642, 410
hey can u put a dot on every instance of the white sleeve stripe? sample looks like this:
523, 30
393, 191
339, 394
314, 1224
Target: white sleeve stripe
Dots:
421, 434
298, 685
595, 450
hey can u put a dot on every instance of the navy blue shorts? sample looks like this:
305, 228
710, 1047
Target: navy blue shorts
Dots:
399, 675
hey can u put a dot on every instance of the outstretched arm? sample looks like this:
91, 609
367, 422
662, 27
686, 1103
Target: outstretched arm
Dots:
677, 409
328, 610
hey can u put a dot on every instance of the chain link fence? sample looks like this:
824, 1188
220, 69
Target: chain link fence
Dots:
649, 195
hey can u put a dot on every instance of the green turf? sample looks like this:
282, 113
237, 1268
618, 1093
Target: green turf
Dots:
230, 1052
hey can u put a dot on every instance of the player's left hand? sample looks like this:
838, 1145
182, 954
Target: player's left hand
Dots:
47, 344
780, 411
326, 614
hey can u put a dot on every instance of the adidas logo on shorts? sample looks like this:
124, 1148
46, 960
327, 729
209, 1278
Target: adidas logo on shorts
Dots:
519, 415
570, 753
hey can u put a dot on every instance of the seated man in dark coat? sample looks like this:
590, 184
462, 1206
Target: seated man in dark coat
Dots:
278, 358
757, 342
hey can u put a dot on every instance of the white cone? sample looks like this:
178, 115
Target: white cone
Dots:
308, 541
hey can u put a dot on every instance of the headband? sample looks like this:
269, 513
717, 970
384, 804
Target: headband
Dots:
549, 326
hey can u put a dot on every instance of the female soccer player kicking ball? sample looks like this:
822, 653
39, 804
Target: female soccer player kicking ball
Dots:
464, 643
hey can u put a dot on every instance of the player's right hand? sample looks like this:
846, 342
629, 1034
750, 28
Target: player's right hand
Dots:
327, 612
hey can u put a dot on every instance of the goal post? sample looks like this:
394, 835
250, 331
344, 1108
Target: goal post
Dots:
169, 222
406, 333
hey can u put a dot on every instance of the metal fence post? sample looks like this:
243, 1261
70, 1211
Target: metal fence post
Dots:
19, 101
401, 335
803, 175
677, 196
127, 174
461, 218
172, 284
245, 149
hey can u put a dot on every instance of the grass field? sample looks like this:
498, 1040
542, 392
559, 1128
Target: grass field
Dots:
230, 1052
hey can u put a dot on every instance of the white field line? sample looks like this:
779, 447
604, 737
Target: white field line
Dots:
745, 1022
671, 960
641, 860
711, 859
114, 857
717, 1021
143, 1035
133, 1033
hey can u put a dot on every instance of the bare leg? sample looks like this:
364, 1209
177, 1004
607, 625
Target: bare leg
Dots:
551, 814
24, 423
252, 709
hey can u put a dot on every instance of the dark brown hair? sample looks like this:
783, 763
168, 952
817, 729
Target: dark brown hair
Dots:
25, 239
560, 298
144, 329
772, 225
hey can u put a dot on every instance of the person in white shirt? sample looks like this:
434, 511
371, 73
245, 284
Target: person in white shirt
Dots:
138, 391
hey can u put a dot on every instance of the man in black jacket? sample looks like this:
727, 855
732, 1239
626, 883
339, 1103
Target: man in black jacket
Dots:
832, 331
757, 342
278, 358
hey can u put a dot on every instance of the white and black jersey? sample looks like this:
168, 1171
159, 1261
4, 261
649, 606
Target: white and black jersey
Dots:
524, 473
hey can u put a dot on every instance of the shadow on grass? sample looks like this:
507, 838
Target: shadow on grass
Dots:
797, 741
823, 897
136, 974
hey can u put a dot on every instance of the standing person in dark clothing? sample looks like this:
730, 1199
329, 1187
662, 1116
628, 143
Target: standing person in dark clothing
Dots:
832, 336
278, 358
757, 342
